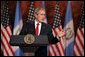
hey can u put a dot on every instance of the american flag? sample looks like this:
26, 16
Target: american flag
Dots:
6, 32
79, 40
31, 12
57, 49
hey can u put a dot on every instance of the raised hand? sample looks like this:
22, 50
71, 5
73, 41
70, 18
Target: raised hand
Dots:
62, 33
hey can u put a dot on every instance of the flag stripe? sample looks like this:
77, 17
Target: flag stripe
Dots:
3, 44
56, 44
78, 48
9, 30
5, 36
53, 50
6, 43
76, 51
61, 43
50, 54
56, 51
8, 33
3, 50
79, 40
60, 49
5, 33
81, 37
79, 44
82, 33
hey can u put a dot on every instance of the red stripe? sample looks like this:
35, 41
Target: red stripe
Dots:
78, 48
56, 44
8, 33
62, 47
58, 49
1, 52
50, 52
59, 28
60, 42
74, 53
78, 37
5, 48
55, 31
53, 50
7, 42
82, 33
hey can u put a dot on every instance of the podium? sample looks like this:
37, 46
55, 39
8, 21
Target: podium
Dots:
29, 43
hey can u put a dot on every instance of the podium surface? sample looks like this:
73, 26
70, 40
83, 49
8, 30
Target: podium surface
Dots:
19, 40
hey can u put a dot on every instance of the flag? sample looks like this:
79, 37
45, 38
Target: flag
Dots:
17, 28
57, 49
31, 12
69, 28
6, 32
79, 40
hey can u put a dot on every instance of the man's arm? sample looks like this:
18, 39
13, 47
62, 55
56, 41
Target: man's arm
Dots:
52, 39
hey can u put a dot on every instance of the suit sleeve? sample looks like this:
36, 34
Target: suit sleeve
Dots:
52, 39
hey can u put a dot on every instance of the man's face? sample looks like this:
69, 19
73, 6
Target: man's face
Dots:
41, 15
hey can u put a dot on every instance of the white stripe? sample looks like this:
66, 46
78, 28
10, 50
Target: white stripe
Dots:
5, 33
51, 51
60, 49
9, 30
6, 45
79, 45
62, 42
59, 45
8, 39
76, 51
53, 33
62, 39
81, 37
83, 30
55, 49
3, 50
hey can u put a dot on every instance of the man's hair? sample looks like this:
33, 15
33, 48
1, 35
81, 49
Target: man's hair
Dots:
37, 10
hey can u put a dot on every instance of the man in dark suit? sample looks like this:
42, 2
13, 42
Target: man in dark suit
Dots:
38, 27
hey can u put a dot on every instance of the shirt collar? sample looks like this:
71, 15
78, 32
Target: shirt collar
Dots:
37, 22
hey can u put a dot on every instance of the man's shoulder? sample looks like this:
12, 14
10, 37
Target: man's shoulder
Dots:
47, 25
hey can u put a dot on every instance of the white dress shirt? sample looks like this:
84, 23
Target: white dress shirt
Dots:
39, 26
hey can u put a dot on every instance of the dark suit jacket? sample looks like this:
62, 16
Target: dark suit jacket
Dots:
29, 28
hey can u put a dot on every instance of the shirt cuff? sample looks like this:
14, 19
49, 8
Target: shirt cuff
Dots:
58, 38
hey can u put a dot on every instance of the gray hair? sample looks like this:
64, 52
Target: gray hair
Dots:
37, 10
